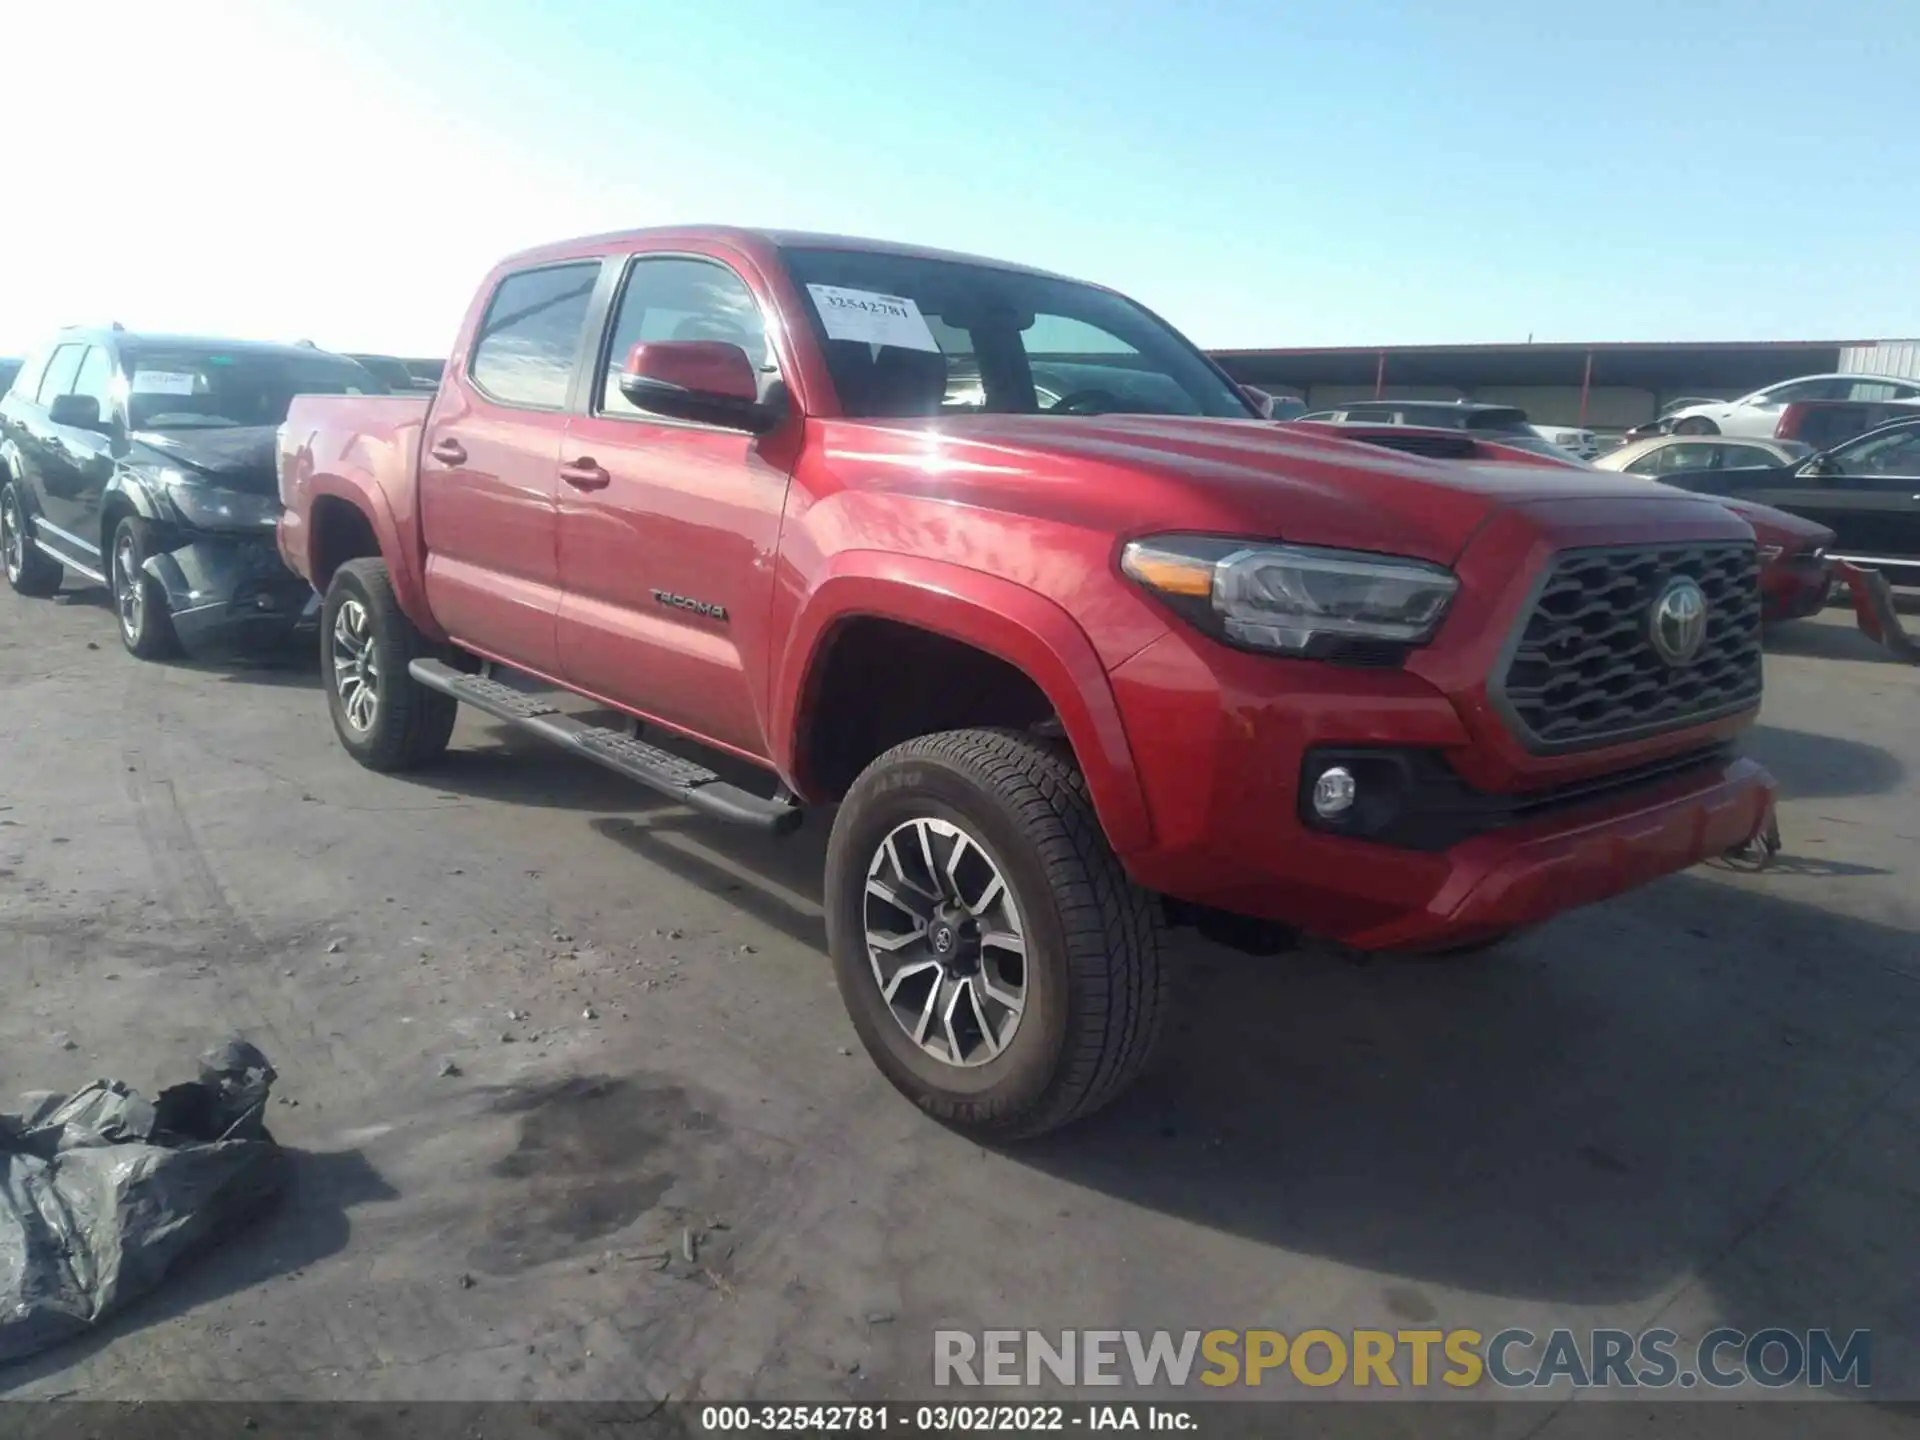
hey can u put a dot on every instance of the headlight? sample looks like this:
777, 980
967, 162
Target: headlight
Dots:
213, 508
1770, 553
1292, 599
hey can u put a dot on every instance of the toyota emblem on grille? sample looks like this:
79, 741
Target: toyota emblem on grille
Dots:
1678, 622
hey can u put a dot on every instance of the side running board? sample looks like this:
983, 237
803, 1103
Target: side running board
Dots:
691, 784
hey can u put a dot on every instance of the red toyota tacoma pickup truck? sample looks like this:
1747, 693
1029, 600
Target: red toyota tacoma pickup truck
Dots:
1079, 643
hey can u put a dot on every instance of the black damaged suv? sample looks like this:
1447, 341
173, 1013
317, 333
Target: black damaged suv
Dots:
145, 463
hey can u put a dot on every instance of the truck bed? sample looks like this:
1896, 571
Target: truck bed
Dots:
371, 439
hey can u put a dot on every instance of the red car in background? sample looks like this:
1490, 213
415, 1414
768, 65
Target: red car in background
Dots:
1796, 577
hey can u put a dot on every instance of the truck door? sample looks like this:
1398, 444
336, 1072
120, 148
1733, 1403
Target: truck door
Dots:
669, 528
489, 461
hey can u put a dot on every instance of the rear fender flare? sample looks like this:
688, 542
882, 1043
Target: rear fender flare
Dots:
997, 616
403, 564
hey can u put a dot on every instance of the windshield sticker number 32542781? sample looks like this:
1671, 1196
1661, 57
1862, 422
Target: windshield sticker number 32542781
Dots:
876, 319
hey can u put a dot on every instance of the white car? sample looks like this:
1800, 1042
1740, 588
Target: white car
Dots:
1757, 414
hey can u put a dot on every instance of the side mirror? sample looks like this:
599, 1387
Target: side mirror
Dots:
1820, 466
75, 412
710, 381
1259, 399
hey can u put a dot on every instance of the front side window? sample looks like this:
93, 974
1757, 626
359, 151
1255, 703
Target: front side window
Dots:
60, 373
1745, 457
1686, 457
95, 378
671, 298
528, 341
1827, 388
1897, 453
910, 335
195, 387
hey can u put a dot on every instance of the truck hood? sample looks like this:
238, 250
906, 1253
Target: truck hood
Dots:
1252, 477
234, 457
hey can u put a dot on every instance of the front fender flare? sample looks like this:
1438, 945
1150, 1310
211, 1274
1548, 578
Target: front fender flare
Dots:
138, 492
1004, 619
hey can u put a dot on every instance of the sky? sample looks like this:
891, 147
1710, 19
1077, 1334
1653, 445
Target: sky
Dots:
1279, 173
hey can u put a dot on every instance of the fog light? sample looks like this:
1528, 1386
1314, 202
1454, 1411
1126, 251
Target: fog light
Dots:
1333, 792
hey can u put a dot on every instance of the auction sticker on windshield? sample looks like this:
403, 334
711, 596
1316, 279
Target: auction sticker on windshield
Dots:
876, 319
163, 382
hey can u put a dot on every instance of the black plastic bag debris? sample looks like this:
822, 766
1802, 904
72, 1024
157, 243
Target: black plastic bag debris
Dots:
101, 1191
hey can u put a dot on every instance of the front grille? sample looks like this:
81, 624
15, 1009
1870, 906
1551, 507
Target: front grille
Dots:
1584, 670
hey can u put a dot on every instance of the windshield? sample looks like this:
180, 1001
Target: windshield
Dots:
905, 335
193, 389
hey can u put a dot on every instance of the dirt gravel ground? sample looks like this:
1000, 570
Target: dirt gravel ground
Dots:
1695, 1105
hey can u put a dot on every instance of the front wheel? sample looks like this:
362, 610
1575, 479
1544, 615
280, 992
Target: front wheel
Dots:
385, 718
30, 570
998, 964
146, 626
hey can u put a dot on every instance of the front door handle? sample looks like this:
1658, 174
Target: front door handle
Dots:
449, 452
585, 475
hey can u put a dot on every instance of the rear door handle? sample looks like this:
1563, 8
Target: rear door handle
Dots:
585, 475
449, 452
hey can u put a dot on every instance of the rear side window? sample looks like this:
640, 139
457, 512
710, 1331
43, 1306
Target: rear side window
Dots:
1499, 422
1745, 457
60, 372
529, 339
27, 382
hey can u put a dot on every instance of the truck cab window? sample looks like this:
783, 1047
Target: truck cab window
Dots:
670, 298
525, 348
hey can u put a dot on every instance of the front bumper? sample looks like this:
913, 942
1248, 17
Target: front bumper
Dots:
1221, 740
1515, 878
232, 593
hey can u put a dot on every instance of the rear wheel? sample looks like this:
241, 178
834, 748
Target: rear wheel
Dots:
30, 570
385, 718
998, 964
1695, 425
146, 625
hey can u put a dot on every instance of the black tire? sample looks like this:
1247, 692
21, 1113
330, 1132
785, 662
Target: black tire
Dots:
407, 725
139, 602
30, 570
1094, 988
1695, 425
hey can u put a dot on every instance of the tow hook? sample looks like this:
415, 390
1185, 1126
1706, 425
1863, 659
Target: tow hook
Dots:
1759, 850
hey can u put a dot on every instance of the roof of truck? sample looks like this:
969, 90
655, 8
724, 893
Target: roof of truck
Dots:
753, 241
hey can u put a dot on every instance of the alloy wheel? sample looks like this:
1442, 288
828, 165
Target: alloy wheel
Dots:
129, 595
945, 942
356, 669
